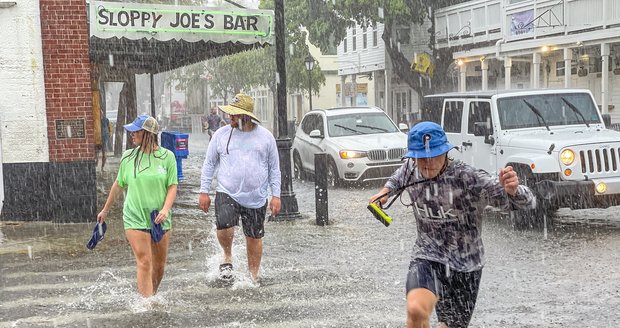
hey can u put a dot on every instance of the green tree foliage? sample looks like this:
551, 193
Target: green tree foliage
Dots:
257, 67
327, 22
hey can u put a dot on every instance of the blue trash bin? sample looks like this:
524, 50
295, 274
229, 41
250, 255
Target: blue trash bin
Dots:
177, 143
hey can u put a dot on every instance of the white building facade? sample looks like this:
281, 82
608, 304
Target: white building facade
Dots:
366, 72
512, 44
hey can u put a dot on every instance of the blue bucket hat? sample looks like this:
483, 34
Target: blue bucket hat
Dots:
427, 139
97, 236
157, 232
143, 122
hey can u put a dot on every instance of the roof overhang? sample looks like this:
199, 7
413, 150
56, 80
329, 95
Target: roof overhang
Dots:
145, 38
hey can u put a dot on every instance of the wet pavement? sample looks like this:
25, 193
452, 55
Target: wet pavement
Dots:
350, 273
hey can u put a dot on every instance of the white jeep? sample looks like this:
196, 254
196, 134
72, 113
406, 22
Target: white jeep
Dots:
556, 140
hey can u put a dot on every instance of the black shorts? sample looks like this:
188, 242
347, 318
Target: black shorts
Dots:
228, 212
457, 291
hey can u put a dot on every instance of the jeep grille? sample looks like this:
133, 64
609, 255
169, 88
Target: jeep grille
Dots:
599, 160
386, 154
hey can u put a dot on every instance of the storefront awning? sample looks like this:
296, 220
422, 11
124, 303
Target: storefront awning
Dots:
146, 38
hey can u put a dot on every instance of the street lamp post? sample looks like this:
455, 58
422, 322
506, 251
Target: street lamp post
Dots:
309, 61
290, 209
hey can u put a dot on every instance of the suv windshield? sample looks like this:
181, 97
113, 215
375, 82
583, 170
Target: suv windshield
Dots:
514, 112
359, 123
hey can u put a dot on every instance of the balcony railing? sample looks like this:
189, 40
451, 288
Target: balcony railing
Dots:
487, 20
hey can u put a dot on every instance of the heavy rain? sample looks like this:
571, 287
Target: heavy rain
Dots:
416, 163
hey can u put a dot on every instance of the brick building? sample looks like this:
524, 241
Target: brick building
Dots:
47, 141
53, 57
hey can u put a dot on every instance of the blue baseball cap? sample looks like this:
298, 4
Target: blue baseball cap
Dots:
143, 122
427, 139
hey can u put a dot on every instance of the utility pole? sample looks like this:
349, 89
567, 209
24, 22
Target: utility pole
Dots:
290, 209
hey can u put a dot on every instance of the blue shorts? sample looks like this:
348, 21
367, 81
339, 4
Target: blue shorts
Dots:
457, 291
228, 212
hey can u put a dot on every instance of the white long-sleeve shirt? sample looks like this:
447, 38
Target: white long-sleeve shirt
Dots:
247, 165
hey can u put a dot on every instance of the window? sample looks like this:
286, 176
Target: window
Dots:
479, 111
403, 35
515, 113
354, 39
312, 122
453, 116
374, 35
344, 42
559, 68
365, 38
318, 125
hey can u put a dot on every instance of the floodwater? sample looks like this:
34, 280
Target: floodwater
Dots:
350, 273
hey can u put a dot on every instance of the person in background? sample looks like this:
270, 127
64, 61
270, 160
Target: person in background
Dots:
246, 158
149, 173
447, 197
106, 131
214, 121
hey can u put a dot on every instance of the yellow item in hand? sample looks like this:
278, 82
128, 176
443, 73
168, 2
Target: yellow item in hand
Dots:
379, 214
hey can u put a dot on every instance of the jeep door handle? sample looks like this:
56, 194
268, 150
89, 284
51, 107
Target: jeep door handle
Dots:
467, 144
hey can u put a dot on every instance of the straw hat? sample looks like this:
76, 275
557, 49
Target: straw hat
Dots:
242, 104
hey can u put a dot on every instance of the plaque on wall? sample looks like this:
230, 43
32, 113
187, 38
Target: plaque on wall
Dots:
66, 129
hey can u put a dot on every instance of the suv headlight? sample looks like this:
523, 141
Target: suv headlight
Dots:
567, 156
348, 154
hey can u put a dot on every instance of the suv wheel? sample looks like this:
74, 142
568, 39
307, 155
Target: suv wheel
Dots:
332, 175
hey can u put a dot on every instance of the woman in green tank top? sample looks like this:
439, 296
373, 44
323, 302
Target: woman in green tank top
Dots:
149, 174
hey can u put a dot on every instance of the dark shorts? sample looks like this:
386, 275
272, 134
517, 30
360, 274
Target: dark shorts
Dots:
228, 212
457, 291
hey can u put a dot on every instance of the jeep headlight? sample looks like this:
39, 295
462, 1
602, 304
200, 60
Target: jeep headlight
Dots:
348, 154
567, 156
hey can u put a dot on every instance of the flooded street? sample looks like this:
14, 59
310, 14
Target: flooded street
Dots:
350, 273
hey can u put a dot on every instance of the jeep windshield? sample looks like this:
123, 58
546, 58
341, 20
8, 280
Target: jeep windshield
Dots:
359, 123
514, 112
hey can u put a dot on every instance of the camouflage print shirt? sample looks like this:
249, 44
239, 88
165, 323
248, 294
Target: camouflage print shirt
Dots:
448, 211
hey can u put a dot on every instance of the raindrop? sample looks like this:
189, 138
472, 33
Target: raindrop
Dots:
545, 226
30, 252
189, 247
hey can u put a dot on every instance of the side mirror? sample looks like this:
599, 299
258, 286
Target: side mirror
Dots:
403, 127
315, 134
482, 129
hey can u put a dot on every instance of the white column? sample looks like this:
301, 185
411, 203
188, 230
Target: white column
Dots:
507, 71
354, 86
484, 65
568, 63
343, 80
462, 77
536, 59
604, 78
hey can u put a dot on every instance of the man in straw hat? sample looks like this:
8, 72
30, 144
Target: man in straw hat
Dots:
246, 157
447, 197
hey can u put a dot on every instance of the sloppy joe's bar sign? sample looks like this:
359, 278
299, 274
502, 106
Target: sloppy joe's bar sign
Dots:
109, 19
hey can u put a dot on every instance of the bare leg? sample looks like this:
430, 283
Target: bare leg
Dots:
141, 245
420, 305
160, 254
255, 254
225, 237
